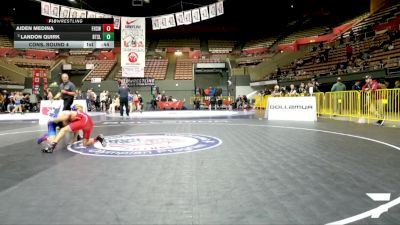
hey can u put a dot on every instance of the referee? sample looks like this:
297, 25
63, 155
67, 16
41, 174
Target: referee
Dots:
67, 91
123, 92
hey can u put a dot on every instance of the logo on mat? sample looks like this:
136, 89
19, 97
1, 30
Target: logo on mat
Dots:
151, 144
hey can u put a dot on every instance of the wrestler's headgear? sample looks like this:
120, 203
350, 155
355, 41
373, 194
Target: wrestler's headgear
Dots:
76, 107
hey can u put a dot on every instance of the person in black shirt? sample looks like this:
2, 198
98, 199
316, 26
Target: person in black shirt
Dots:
356, 86
164, 98
123, 93
67, 91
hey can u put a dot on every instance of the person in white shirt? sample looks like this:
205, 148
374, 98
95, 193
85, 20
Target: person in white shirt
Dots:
103, 99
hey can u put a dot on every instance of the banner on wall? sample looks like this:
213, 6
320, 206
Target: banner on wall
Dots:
133, 41
99, 15
117, 22
179, 18
155, 21
212, 11
45, 6
55, 10
163, 24
134, 82
158, 22
133, 71
195, 15
36, 80
187, 17
91, 14
220, 8
44, 78
82, 14
204, 13
171, 20
64, 12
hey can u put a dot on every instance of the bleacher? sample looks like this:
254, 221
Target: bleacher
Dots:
8, 52
77, 52
5, 80
303, 33
252, 60
184, 67
221, 46
381, 16
179, 43
101, 68
5, 41
155, 68
263, 43
337, 56
28, 63
40, 54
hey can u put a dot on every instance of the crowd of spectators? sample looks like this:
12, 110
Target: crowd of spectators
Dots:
18, 102
353, 63
302, 89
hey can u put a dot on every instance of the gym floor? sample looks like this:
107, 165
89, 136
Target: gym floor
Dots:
263, 172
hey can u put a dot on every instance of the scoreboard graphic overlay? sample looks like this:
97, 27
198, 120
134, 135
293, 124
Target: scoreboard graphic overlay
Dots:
66, 33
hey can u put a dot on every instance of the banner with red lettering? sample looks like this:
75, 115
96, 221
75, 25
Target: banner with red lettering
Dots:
44, 77
35, 80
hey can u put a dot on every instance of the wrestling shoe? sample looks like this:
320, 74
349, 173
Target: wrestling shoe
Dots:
42, 138
100, 138
49, 148
78, 138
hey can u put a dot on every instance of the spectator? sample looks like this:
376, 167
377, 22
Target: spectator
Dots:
79, 95
341, 40
278, 71
356, 86
140, 103
292, 91
136, 101
207, 91
114, 104
397, 84
338, 86
130, 102
2, 101
48, 95
89, 96
302, 89
372, 85
349, 51
219, 102
213, 103
103, 99
164, 97
18, 102
315, 85
11, 102
382, 64
276, 92
108, 101
351, 36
